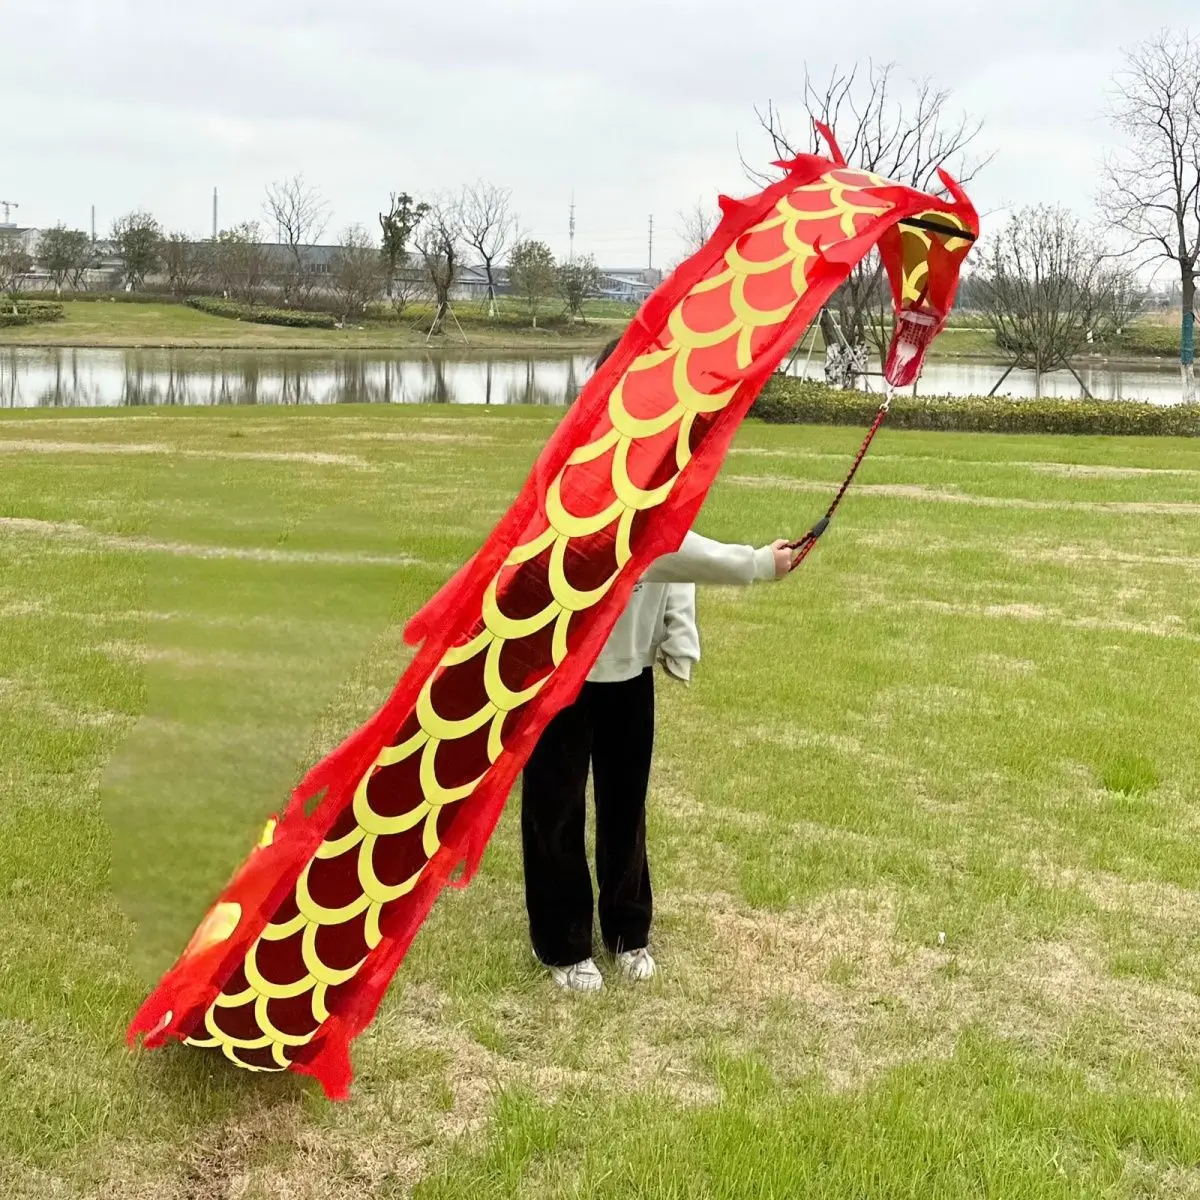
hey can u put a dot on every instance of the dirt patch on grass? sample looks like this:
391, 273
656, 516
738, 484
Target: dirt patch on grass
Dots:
315, 458
807, 455
17, 693
23, 609
1054, 986
1073, 556
1169, 626
189, 660
1003, 664
796, 738
452, 439
65, 420
1152, 900
1098, 471
69, 532
920, 492
864, 999
34, 446
847, 977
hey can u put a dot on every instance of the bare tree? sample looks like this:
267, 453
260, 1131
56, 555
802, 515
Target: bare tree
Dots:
84, 260
533, 274
695, 226
1046, 285
398, 225
410, 283
299, 215
1152, 189
903, 134
356, 271
238, 263
138, 237
182, 261
15, 263
577, 280
490, 229
64, 254
1126, 300
439, 242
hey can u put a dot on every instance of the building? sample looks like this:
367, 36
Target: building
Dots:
27, 237
629, 284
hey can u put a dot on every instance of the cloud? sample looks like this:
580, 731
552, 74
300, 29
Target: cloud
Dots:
636, 107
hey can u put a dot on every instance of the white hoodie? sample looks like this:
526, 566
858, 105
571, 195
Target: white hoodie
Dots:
660, 620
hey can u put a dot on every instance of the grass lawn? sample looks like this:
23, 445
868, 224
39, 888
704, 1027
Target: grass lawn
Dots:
111, 323
924, 827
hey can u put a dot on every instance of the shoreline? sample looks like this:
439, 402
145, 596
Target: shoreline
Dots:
260, 347
514, 346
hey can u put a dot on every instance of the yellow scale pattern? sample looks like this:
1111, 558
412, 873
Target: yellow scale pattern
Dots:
629, 499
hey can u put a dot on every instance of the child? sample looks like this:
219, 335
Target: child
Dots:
610, 728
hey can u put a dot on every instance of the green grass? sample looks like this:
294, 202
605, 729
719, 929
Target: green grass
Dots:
976, 1124
923, 828
103, 323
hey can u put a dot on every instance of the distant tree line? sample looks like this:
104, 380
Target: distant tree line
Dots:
419, 253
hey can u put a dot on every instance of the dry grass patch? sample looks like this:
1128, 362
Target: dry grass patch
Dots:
90, 539
939, 495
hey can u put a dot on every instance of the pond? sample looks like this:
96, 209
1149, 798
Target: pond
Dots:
93, 378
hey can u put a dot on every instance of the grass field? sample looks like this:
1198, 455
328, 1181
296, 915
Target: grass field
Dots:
104, 323
924, 828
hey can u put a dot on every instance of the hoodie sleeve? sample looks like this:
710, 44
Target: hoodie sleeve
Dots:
680, 648
701, 560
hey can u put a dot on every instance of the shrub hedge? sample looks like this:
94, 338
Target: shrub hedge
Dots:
793, 402
1144, 338
67, 295
294, 318
28, 312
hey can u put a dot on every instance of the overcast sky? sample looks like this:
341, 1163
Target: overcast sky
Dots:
636, 105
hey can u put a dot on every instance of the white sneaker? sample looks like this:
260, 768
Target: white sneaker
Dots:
581, 977
636, 964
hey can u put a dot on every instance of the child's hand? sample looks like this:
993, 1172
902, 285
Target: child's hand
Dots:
782, 550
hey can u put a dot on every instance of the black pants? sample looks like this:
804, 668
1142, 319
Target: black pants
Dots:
611, 728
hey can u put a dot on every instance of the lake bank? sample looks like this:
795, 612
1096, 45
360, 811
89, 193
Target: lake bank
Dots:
98, 325
113, 377
120, 325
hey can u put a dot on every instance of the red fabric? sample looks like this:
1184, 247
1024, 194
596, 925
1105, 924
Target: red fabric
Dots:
704, 298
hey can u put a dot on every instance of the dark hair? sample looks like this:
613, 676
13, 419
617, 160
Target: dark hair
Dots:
606, 353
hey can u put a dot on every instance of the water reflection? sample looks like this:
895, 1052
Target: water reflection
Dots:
1157, 381
89, 378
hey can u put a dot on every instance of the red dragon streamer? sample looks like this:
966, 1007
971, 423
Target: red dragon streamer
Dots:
293, 959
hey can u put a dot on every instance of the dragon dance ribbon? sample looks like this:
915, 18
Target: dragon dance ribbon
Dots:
294, 957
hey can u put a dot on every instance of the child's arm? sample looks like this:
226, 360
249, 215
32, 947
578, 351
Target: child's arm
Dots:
680, 648
701, 560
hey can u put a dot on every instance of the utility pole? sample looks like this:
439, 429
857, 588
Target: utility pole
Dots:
571, 251
8, 206
650, 264
216, 227
93, 224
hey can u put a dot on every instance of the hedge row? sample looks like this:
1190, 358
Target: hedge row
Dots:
68, 295
294, 318
1144, 338
793, 402
28, 312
